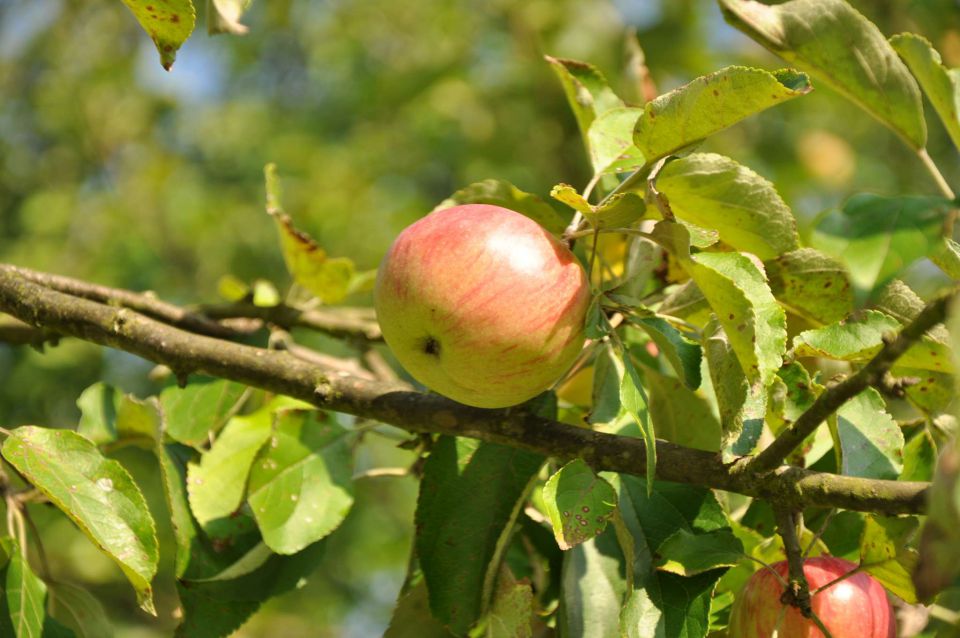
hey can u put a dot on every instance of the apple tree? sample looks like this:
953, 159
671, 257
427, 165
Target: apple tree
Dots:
741, 422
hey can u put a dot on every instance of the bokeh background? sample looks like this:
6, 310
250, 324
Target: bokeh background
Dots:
115, 171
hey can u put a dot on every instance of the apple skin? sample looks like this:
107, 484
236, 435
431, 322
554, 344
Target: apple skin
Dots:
482, 305
856, 607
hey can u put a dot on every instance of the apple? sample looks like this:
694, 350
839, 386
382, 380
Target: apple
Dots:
856, 607
482, 305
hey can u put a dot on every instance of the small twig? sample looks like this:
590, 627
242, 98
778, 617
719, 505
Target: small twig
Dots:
5, 432
834, 397
797, 593
855, 570
619, 231
944, 187
819, 534
783, 581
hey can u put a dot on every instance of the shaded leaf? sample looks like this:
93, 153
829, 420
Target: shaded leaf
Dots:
168, 23
497, 192
871, 441
683, 354
195, 411
941, 85
578, 502
107, 415
300, 486
634, 401
885, 556
79, 610
592, 587
512, 608
716, 192
812, 285
588, 93
468, 501
96, 493
681, 416
877, 237
919, 458
730, 385
687, 554
412, 618
939, 549
26, 597
710, 104
836, 45
947, 257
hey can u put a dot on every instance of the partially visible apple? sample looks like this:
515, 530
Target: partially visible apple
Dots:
856, 607
482, 305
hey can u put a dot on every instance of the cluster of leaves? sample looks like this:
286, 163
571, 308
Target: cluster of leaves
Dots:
708, 320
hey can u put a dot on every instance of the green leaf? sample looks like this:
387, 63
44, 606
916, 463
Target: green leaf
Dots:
877, 237
860, 339
619, 211
941, 85
578, 502
595, 324
885, 556
265, 294
587, 91
716, 192
812, 285
919, 458
730, 385
947, 257
688, 554
195, 411
939, 548
300, 485
96, 493
512, 608
680, 415
470, 495
710, 104
26, 595
683, 354
217, 483
107, 415
246, 564
634, 401
168, 23
223, 16
412, 618
79, 610
836, 45
498, 192
610, 141
606, 386
871, 441
592, 588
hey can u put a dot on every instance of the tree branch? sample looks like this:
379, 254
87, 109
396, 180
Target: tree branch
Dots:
360, 323
395, 404
834, 397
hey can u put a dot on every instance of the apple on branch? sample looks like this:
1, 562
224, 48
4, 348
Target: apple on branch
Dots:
482, 305
855, 607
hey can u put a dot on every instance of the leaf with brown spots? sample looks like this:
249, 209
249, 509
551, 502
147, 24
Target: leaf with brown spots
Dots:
579, 503
168, 22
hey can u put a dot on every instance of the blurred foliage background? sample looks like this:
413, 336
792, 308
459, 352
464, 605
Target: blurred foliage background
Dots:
115, 171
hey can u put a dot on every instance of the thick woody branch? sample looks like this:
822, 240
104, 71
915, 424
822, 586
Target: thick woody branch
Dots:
834, 397
395, 404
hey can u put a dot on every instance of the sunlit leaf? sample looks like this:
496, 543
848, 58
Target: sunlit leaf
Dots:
168, 23
716, 192
579, 503
610, 140
919, 458
885, 556
96, 493
107, 415
947, 257
941, 85
512, 608
811, 284
680, 415
194, 412
837, 45
710, 104
498, 192
587, 90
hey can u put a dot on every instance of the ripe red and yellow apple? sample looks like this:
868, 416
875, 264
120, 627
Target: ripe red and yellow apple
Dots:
481, 304
856, 607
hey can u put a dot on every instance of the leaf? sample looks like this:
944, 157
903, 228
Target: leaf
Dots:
587, 90
941, 85
606, 386
610, 141
248, 563
947, 257
616, 212
859, 340
512, 608
836, 45
216, 485
681, 416
498, 192
412, 618
578, 502
26, 595
877, 237
716, 192
223, 16
730, 385
470, 495
885, 556
592, 587
683, 354
79, 610
634, 401
193, 412
107, 415
939, 549
689, 554
812, 285
871, 441
168, 23
96, 493
300, 485
710, 104
919, 458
